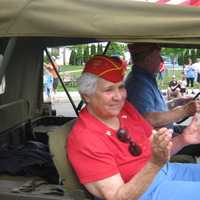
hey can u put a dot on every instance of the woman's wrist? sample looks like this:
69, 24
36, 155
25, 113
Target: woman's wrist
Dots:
156, 164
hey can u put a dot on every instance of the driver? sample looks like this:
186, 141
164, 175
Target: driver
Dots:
143, 92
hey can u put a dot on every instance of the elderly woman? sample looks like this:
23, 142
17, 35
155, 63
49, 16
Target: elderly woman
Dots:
116, 153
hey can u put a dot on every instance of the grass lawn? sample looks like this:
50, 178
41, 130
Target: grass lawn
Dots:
71, 68
76, 71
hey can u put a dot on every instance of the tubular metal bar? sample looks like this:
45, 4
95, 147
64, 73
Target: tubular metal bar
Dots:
61, 81
6, 58
80, 105
107, 46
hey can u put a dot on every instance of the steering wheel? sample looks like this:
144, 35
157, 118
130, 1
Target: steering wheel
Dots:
195, 97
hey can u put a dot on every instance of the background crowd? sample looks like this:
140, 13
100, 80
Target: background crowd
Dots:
189, 75
50, 79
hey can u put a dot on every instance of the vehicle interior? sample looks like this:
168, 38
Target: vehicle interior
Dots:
27, 123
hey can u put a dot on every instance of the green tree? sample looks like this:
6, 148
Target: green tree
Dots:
181, 59
99, 49
86, 54
45, 59
193, 55
93, 50
116, 49
72, 59
186, 55
198, 53
79, 56
172, 53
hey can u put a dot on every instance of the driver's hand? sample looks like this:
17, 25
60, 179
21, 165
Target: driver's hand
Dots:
192, 107
191, 133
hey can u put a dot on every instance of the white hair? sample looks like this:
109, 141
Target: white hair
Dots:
87, 83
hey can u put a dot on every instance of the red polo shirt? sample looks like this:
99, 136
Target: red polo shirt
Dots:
96, 153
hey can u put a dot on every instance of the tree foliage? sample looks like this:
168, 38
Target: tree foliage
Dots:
198, 53
99, 49
116, 49
86, 54
80, 54
186, 55
193, 55
72, 59
181, 54
93, 50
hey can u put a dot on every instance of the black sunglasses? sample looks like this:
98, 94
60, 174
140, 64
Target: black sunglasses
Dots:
123, 136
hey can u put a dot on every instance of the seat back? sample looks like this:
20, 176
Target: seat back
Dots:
57, 145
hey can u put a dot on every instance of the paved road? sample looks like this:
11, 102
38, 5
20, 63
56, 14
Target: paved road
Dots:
64, 109
62, 105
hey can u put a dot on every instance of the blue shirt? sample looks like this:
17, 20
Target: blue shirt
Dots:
143, 92
190, 72
48, 80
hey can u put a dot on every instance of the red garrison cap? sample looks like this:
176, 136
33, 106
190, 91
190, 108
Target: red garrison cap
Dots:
142, 47
109, 68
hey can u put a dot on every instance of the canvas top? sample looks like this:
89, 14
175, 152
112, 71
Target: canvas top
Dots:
115, 20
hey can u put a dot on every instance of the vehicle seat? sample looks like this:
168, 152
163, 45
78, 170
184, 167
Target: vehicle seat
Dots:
57, 146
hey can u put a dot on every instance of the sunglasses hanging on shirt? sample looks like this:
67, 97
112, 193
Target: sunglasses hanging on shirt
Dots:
123, 136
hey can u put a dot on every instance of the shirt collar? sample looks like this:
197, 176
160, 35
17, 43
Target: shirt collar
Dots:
142, 71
